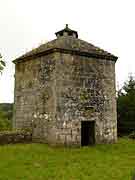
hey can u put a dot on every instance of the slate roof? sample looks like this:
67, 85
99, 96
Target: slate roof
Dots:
68, 44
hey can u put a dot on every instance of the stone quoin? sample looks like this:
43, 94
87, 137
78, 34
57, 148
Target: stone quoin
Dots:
65, 92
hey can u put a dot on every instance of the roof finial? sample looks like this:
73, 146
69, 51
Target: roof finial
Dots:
67, 32
66, 26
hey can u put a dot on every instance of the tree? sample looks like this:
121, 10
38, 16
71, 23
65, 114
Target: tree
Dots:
126, 107
6, 114
2, 64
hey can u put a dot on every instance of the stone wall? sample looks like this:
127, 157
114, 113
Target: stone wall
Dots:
34, 95
85, 91
12, 137
55, 92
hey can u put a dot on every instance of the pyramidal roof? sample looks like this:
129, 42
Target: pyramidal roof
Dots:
67, 42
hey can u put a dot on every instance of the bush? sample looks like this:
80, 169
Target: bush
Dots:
6, 114
132, 135
5, 123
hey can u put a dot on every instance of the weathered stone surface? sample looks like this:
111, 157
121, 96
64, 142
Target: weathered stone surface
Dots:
54, 93
9, 137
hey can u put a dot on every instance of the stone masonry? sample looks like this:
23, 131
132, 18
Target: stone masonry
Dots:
61, 84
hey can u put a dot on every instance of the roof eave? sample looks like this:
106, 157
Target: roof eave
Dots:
67, 51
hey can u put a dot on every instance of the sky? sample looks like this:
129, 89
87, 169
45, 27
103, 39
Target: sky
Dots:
24, 25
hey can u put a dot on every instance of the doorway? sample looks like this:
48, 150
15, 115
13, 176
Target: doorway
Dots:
87, 133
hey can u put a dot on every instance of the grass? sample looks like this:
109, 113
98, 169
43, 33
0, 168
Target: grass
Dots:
41, 162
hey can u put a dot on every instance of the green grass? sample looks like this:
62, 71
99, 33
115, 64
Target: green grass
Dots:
41, 162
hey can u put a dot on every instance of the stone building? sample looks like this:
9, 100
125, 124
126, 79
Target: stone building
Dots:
65, 92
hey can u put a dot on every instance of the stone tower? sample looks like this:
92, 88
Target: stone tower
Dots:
65, 92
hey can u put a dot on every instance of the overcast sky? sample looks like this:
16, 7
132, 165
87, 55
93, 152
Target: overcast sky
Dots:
25, 24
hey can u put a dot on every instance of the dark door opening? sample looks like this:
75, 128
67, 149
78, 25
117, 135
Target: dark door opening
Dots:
87, 133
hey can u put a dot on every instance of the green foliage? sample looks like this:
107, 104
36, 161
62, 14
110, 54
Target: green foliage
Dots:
132, 135
126, 107
4, 124
41, 162
2, 64
6, 113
